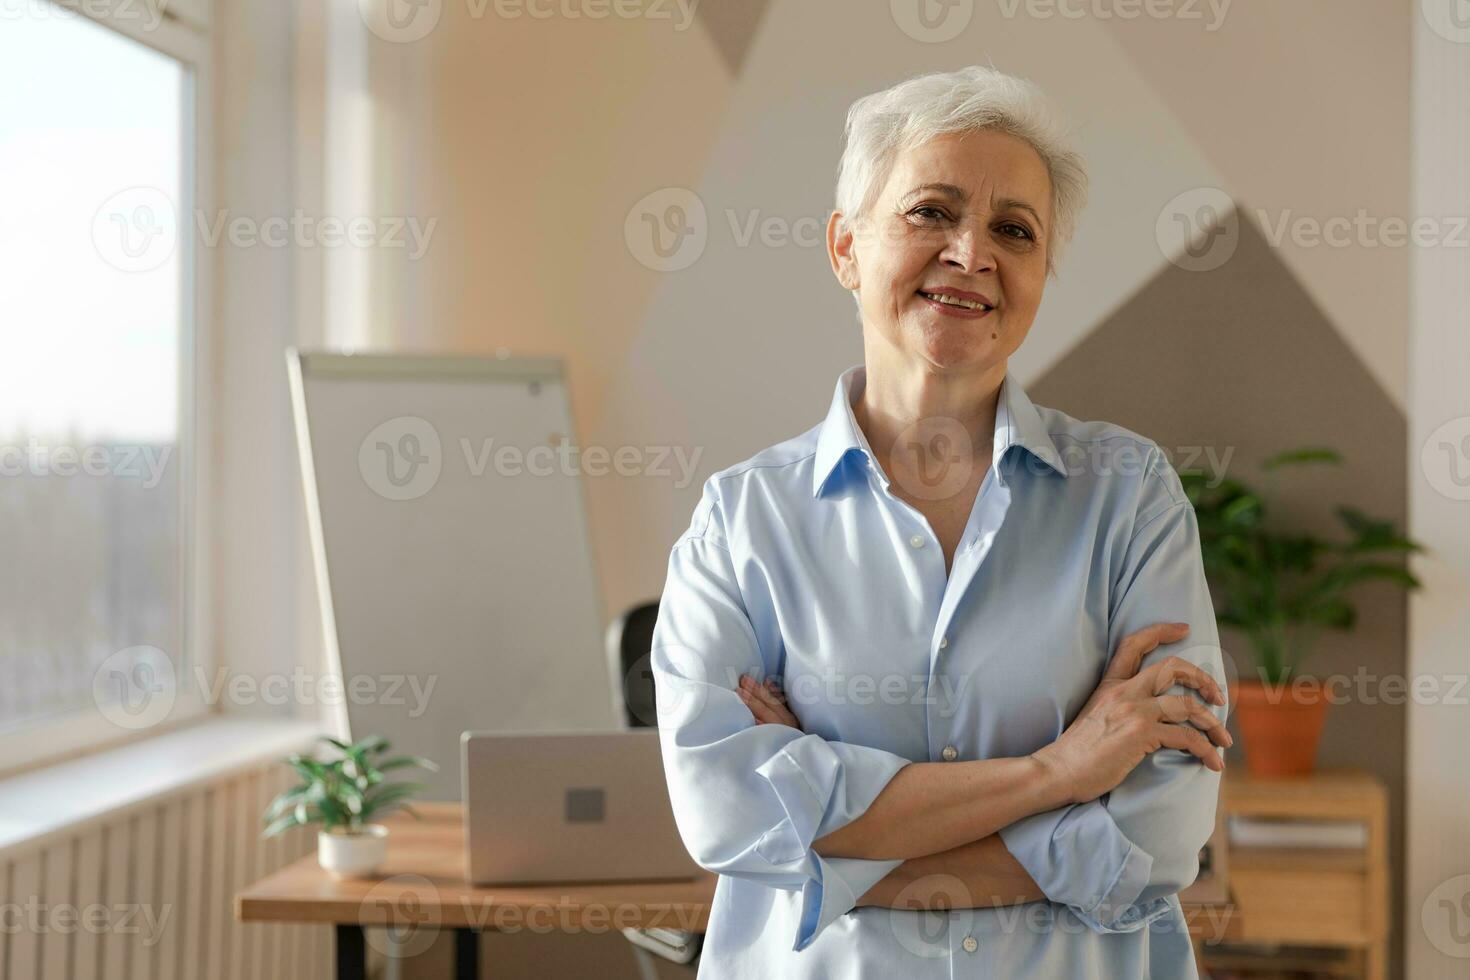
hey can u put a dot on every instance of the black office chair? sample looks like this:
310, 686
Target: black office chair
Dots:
629, 643
629, 640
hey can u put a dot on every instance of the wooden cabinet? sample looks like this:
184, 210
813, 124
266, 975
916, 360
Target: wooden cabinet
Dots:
1308, 897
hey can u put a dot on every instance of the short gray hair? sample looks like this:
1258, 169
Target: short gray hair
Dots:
969, 99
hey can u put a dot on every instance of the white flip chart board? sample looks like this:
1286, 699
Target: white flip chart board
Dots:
453, 563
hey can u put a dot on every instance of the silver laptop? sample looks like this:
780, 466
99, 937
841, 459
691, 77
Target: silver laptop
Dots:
569, 807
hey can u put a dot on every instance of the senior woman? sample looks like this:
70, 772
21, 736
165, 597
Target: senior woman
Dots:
937, 678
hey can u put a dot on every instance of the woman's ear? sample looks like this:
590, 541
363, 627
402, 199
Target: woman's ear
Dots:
841, 251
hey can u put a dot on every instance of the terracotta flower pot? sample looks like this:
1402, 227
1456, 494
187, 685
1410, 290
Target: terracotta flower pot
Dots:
1281, 725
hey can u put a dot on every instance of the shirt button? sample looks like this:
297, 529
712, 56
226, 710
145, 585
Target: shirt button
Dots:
950, 753
971, 944
917, 541
943, 642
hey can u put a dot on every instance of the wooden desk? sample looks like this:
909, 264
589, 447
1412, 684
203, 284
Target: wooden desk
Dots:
421, 886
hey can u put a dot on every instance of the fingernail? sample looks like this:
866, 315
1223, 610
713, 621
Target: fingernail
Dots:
1183, 626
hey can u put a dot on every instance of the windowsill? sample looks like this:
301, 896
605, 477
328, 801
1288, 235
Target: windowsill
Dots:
62, 799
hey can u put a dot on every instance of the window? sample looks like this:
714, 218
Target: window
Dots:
97, 348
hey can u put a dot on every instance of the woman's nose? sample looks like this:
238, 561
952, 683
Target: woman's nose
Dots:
969, 252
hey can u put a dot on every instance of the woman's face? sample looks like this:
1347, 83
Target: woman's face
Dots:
968, 213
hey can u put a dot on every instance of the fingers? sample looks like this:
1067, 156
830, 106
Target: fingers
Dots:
1191, 741
765, 692
1135, 646
765, 701
1180, 708
1176, 670
764, 712
759, 709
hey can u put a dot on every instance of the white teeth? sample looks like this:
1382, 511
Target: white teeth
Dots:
955, 301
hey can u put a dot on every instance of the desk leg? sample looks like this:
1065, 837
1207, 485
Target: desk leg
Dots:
466, 954
351, 953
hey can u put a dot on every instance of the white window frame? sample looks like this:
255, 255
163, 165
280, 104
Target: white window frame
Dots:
85, 731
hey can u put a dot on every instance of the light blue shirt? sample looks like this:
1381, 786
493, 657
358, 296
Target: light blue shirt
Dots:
800, 563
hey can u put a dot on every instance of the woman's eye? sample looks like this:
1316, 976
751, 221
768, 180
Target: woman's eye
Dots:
928, 213
1025, 233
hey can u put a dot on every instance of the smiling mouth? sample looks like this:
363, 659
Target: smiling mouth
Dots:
956, 302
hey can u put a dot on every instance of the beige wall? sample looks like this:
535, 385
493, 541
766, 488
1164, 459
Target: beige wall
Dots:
530, 140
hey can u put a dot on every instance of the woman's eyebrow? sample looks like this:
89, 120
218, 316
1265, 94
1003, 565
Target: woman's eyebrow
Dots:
943, 190
959, 193
1017, 204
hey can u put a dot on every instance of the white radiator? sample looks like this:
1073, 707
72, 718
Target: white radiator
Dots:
150, 896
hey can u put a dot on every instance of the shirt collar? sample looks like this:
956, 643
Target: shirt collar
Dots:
1017, 423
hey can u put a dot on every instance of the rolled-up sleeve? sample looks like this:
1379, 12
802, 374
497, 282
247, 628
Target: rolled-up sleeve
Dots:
1115, 860
750, 799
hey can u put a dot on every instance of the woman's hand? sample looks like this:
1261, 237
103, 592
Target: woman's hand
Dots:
1128, 716
766, 702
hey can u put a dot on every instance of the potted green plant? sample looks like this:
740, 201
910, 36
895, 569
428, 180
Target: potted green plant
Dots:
1280, 589
343, 796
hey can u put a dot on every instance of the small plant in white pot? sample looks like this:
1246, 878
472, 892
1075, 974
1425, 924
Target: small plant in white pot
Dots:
343, 796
